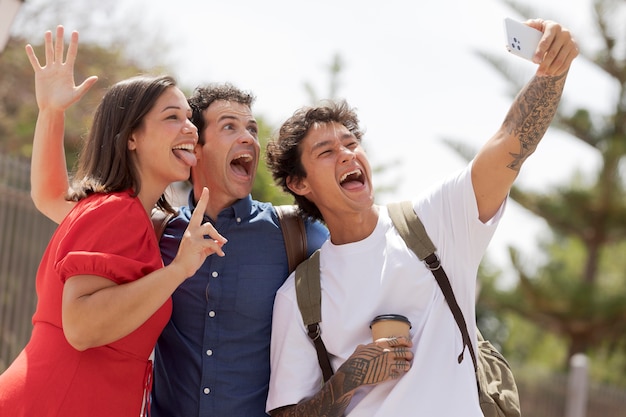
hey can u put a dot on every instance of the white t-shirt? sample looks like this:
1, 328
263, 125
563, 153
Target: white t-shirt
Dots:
380, 275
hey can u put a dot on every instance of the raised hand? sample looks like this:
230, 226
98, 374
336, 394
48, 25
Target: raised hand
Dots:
556, 50
54, 82
194, 246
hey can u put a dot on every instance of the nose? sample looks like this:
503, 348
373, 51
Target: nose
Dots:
246, 137
346, 155
190, 128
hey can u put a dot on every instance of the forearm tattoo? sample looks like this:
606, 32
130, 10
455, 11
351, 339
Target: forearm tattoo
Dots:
531, 114
369, 366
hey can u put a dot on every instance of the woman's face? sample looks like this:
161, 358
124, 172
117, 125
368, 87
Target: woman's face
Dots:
164, 143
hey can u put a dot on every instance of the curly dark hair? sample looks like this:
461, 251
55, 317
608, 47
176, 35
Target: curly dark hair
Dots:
204, 96
283, 153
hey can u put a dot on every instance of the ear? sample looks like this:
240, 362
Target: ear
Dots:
132, 142
298, 185
197, 151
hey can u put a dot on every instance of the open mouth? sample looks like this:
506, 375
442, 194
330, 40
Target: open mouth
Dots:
351, 180
242, 165
184, 152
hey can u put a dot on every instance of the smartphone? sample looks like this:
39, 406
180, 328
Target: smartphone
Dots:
521, 40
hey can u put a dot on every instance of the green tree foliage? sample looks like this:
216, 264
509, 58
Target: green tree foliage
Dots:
103, 52
578, 294
18, 109
264, 187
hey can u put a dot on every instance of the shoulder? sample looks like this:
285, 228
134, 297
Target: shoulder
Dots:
111, 208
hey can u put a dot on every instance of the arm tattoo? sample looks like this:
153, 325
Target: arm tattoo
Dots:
531, 114
331, 401
370, 365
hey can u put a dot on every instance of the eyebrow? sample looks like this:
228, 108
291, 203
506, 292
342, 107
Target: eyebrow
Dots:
327, 142
175, 108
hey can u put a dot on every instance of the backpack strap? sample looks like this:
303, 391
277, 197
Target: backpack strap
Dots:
160, 219
294, 234
412, 230
309, 295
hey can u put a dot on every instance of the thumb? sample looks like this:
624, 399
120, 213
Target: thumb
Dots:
82, 89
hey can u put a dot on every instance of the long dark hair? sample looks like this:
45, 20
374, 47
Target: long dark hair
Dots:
105, 164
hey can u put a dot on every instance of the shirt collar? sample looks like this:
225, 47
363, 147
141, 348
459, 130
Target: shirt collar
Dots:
241, 209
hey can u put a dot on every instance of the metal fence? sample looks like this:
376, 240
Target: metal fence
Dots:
24, 234
547, 397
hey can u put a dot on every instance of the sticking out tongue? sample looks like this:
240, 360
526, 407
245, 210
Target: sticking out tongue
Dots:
187, 157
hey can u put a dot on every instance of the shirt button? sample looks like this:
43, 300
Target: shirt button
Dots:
214, 274
206, 390
209, 352
238, 219
211, 313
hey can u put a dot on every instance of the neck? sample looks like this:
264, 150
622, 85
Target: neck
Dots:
149, 199
217, 202
351, 226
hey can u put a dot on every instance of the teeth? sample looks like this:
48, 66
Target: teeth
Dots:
246, 157
347, 174
186, 147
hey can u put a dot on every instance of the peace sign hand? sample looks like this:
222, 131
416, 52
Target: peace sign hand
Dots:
195, 246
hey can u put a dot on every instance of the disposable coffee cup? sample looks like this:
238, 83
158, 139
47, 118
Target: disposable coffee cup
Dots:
390, 325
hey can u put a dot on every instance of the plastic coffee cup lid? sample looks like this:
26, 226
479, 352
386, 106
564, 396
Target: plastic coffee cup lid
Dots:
396, 317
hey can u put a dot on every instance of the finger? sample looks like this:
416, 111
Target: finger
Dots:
59, 45
34, 62
211, 246
549, 57
198, 212
72, 49
207, 229
394, 341
559, 56
403, 353
568, 61
85, 86
49, 52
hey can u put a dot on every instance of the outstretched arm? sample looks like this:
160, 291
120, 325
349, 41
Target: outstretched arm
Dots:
55, 91
498, 163
368, 365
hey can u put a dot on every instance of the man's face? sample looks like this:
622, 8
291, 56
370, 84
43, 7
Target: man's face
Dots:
228, 159
338, 173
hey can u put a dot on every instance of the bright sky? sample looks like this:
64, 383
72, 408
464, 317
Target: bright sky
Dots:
410, 69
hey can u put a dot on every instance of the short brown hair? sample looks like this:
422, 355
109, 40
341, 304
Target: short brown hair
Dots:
204, 96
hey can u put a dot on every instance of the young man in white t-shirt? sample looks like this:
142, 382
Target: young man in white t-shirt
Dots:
367, 270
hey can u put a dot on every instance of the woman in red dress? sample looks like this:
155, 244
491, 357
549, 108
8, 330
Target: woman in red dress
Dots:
103, 292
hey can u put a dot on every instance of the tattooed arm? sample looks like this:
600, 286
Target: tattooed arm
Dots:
498, 163
368, 365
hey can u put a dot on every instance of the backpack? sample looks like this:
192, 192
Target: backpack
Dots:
497, 390
291, 224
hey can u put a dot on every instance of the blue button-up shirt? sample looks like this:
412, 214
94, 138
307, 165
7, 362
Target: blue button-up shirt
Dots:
212, 359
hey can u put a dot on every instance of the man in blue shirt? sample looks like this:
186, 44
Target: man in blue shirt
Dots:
212, 359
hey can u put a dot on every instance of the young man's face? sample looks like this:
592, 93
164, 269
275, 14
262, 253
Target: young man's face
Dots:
228, 160
338, 172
